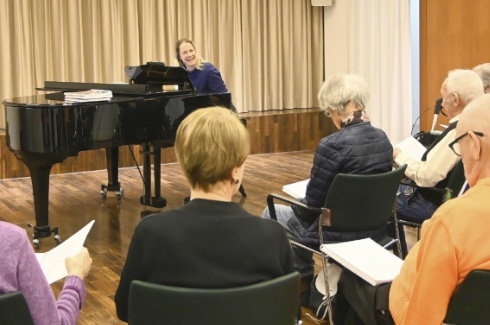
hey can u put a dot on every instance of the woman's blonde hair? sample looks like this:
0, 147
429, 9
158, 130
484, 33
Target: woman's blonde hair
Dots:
200, 61
210, 143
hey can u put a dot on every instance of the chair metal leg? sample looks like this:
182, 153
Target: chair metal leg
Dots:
397, 232
327, 289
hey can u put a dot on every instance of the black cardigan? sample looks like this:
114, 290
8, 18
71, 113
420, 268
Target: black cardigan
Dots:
204, 244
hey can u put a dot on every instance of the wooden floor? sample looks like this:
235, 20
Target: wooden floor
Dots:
75, 200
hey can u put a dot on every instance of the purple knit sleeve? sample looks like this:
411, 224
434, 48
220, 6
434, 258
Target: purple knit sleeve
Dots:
30, 280
70, 300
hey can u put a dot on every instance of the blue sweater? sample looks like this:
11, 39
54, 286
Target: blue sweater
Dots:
208, 80
356, 149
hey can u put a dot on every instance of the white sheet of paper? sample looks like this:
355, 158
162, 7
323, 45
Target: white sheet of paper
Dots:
366, 258
412, 147
296, 190
53, 261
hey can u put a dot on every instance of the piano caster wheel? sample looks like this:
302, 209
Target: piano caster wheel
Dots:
120, 193
103, 193
36, 242
57, 239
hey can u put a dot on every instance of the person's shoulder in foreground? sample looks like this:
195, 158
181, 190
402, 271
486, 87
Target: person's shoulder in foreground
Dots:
455, 239
209, 211
228, 222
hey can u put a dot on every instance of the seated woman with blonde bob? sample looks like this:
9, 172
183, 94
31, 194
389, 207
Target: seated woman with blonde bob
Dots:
210, 242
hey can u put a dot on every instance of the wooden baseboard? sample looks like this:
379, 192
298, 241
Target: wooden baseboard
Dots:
270, 132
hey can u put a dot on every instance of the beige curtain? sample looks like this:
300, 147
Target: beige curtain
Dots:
270, 52
379, 37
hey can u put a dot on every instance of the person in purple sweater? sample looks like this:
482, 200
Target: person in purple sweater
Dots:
204, 76
20, 271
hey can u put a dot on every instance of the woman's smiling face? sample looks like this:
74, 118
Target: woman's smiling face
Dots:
188, 55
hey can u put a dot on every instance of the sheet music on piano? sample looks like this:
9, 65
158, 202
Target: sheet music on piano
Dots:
91, 95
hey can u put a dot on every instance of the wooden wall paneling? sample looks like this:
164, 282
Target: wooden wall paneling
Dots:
453, 35
423, 63
288, 131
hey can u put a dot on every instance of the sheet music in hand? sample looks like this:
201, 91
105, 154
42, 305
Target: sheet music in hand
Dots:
365, 258
53, 262
296, 190
412, 147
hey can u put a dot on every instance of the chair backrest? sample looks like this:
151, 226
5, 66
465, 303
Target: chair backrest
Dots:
14, 309
363, 202
470, 303
455, 181
272, 302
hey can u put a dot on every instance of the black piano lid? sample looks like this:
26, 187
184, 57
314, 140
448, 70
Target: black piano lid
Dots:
151, 79
56, 100
117, 89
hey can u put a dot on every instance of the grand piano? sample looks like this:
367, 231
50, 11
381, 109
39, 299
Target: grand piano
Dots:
44, 130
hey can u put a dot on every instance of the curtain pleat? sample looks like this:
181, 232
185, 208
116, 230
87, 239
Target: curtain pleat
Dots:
380, 51
269, 52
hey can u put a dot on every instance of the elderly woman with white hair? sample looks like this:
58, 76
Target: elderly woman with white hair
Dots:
357, 148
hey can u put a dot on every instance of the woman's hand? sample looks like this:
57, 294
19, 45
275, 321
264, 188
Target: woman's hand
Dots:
396, 152
79, 264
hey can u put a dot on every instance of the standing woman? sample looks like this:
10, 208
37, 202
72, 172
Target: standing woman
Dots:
204, 75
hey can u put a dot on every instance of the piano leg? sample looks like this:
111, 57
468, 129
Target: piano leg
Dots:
40, 187
113, 185
156, 201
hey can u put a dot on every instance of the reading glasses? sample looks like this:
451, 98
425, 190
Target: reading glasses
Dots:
454, 145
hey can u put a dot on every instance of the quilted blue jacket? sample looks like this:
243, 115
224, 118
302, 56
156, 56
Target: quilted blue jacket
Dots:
356, 149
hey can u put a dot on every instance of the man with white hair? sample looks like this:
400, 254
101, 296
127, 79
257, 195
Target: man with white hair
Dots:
483, 70
417, 203
454, 242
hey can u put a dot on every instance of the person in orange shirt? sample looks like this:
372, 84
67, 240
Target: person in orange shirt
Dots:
454, 242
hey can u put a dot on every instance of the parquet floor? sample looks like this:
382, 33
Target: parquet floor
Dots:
75, 200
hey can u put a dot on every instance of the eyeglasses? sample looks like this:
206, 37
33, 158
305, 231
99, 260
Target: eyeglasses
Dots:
454, 145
